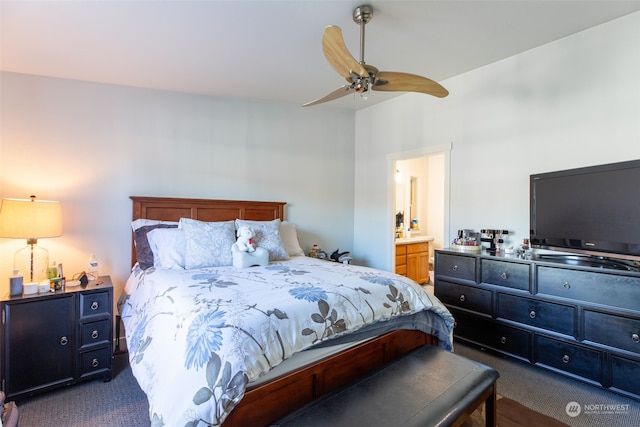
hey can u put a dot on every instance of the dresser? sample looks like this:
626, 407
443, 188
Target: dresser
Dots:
57, 338
576, 320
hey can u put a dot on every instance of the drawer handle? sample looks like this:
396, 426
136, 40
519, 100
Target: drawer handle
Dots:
64, 341
504, 275
566, 285
532, 314
95, 305
566, 358
454, 268
462, 298
503, 340
94, 334
635, 338
95, 363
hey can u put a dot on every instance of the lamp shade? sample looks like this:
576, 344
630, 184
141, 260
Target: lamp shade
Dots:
30, 219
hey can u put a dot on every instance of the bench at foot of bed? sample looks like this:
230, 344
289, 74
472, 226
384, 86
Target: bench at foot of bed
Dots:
428, 387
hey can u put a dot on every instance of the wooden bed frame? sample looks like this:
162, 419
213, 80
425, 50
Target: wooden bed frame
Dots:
268, 402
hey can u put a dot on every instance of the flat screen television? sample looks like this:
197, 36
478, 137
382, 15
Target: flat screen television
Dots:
593, 211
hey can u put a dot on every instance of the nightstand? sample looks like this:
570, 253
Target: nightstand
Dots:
55, 339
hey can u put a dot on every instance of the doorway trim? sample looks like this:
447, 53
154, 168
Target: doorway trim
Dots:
392, 158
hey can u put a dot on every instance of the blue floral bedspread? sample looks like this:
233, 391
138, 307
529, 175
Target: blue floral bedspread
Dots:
196, 338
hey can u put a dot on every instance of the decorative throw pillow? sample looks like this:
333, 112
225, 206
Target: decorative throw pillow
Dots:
289, 236
168, 246
267, 235
208, 244
141, 227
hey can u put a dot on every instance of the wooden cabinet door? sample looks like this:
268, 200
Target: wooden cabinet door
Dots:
418, 262
423, 267
412, 266
39, 344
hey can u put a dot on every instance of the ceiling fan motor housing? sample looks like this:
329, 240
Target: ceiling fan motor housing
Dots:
362, 13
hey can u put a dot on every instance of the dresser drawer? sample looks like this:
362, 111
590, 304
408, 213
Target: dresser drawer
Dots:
624, 374
502, 273
95, 303
95, 362
546, 315
491, 334
456, 266
568, 357
94, 333
462, 296
601, 288
616, 331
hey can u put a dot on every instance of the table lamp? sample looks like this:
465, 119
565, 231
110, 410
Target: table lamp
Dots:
31, 219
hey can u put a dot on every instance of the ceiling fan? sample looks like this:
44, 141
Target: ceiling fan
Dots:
361, 76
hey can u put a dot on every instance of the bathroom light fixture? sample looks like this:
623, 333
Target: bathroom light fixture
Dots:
398, 176
31, 219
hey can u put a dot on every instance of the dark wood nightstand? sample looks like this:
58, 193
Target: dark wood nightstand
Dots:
57, 338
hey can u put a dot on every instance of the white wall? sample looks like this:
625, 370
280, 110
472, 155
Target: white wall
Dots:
92, 145
571, 103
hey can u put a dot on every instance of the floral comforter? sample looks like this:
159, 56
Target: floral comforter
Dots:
196, 338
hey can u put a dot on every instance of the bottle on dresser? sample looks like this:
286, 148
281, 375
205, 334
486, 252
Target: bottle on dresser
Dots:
93, 268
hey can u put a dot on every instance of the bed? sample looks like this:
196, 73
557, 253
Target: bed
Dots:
300, 327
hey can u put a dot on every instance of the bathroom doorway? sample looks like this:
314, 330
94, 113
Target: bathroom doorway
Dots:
421, 200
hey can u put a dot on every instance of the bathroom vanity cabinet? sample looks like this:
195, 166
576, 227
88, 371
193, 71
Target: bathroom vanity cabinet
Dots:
412, 258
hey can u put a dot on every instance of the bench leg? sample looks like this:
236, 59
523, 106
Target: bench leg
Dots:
491, 409
488, 397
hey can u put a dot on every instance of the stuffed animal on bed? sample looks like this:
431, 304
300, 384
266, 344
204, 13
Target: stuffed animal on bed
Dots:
244, 251
245, 240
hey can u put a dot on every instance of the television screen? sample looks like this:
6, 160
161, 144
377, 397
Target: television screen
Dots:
594, 210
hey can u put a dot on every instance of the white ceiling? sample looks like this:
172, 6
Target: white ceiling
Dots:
271, 49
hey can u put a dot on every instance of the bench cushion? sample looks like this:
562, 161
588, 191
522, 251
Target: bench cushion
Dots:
428, 387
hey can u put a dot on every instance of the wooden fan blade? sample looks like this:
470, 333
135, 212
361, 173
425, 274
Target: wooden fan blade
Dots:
338, 93
338, 56
391, 81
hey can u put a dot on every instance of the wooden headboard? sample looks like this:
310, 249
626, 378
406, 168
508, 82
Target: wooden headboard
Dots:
172, 209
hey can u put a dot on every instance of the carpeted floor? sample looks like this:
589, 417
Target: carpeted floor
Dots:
551, 394
118, 403
121, 403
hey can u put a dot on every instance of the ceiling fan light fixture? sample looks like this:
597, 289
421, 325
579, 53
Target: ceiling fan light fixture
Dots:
361, 76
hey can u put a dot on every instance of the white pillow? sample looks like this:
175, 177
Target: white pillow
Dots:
208, 244
289, 236
267, 235
168, 246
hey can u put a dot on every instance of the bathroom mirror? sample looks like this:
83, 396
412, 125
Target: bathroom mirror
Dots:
410, 199
400, 197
